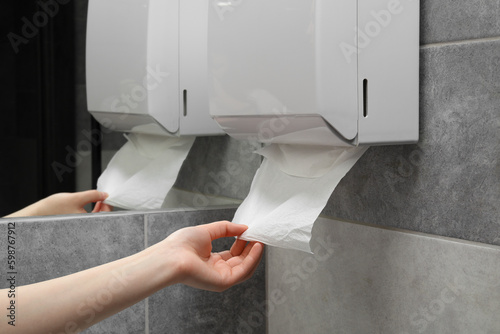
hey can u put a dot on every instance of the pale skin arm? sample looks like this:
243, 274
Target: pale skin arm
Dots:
73, 303
64, 204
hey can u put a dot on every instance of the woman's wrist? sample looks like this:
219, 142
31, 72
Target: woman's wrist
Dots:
158, 261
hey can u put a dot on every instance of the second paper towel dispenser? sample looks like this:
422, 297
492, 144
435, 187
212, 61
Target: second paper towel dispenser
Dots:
340, 73
146, 63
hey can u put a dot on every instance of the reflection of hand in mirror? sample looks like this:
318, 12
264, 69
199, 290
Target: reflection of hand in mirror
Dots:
64, 204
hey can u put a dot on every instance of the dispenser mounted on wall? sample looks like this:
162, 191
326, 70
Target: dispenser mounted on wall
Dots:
342, 73
339, 73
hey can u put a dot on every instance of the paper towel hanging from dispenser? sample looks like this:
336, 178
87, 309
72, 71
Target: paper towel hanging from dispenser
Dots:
338, 73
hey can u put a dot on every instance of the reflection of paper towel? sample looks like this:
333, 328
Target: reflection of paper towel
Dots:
143, 171
289, 191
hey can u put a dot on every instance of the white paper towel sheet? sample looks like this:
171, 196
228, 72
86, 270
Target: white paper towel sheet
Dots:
143, 171
289, 191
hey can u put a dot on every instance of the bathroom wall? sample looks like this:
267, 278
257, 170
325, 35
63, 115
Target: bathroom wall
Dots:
376, 279
52, 247
367, 279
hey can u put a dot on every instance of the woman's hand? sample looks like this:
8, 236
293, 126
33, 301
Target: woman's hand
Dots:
197, 266
185, 256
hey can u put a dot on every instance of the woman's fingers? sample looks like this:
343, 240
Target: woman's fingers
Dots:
224, 229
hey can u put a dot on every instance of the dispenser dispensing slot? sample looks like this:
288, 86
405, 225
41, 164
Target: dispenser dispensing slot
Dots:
184, 102
365, 98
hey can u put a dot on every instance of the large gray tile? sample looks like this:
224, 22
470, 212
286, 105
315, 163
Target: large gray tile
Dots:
181, 309
456, 20
371, 280
448, 184
53, 247
219, 166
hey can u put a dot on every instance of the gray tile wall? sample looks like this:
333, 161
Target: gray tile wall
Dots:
365, 279
219, 166
47, 248
56, 246
449, 183
458, 20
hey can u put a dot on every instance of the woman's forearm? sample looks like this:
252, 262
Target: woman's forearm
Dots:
64, 204
72, 303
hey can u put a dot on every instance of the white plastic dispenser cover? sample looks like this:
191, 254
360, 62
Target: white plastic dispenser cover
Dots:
147, 66
340, 73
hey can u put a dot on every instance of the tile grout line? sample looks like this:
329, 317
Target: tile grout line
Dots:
460, 42
146, 305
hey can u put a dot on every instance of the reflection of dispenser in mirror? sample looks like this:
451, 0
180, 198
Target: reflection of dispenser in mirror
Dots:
147, 75
341, 73
146, 66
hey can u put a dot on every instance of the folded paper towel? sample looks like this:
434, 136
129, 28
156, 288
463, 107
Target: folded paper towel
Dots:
289, 191
144, 170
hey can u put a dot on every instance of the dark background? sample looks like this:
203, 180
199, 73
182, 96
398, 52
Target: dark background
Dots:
38, 99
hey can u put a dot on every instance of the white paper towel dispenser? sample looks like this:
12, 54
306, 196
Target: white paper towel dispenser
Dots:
342, 73
147, 66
